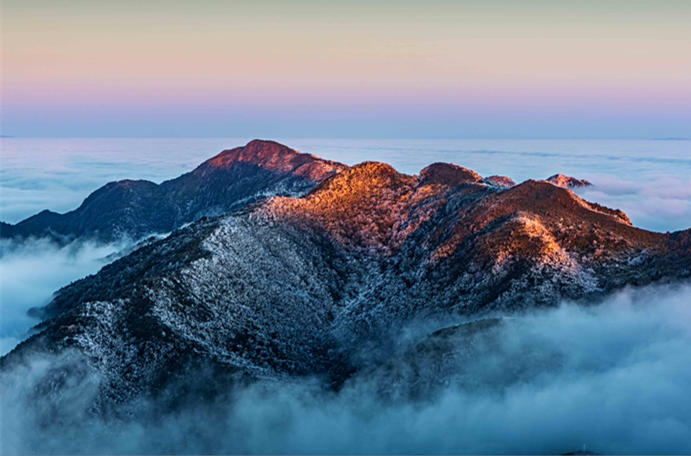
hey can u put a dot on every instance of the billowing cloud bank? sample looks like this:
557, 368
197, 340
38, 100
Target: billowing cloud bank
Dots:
613, 378
31, 271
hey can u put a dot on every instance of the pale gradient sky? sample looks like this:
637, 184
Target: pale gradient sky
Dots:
614, 69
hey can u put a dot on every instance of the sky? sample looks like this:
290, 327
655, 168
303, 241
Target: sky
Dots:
356, 69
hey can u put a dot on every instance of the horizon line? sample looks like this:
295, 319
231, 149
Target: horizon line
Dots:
381, 138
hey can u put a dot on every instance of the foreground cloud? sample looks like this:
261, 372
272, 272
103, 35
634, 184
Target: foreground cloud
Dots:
611, 377
31, 271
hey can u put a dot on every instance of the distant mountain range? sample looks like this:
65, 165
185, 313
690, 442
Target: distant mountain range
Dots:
294, 265
229, 181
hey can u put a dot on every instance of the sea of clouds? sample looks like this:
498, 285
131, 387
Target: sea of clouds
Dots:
619, 384
611, 378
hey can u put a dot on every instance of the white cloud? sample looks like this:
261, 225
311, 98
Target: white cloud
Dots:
612, 377
31, 271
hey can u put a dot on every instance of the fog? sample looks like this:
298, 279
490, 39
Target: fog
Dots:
32, 270
611, 378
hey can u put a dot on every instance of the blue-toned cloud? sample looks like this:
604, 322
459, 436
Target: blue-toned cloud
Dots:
31, 271
608, 378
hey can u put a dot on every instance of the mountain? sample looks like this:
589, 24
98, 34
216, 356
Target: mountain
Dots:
568, 181
502, 181
135, 208
325, 284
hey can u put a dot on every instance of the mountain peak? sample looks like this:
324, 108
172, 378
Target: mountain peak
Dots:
230, 180
554, 200
360, 206
561, 180
276, 157
448, 174
501, 181
375, 173
255, 151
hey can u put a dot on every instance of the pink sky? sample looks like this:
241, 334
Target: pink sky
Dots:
79, 63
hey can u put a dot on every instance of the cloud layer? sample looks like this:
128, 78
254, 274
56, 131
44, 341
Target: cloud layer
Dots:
611, 378
31, 271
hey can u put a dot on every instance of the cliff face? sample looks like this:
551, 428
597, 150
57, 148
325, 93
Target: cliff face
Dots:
303, 285
231, 180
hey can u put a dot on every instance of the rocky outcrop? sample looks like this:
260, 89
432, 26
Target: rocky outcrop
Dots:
501, 181
567, 181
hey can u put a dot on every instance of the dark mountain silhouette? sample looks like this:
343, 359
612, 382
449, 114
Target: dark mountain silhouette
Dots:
135, 208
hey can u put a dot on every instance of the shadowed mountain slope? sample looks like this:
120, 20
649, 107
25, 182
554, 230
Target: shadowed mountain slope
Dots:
230, 180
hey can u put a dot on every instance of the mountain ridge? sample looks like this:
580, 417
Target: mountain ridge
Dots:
305, 285
230, 180
136, 208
